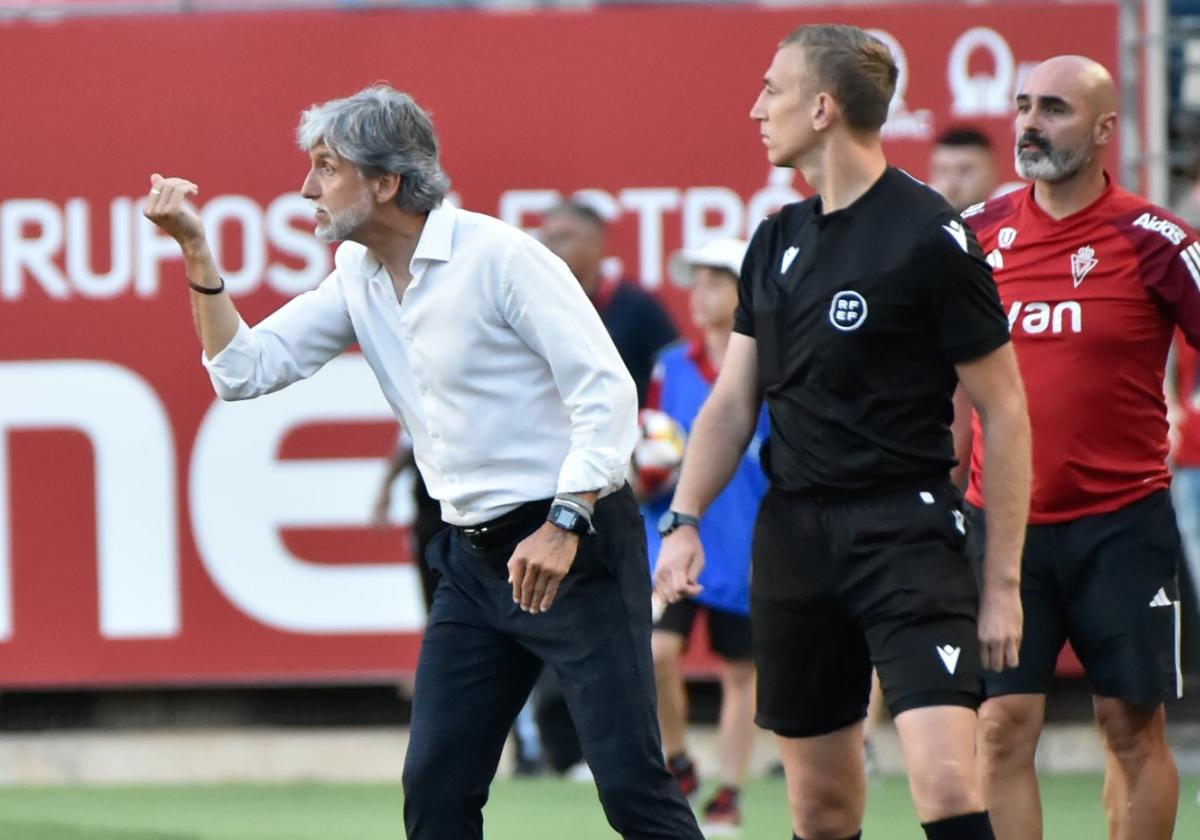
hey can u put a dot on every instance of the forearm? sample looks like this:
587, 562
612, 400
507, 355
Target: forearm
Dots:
718, 440
1007, 475
215, 316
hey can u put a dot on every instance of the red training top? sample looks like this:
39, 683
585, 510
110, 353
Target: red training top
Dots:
1092, 303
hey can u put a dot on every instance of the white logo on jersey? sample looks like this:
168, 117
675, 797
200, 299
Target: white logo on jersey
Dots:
1172, 232
996, 260
848, 311
788, 256
949, 655
1038, 316
1007, 237
957, 233
1160, 599
960, 522
1083, 261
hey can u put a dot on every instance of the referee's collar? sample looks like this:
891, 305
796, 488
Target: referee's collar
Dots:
821, 218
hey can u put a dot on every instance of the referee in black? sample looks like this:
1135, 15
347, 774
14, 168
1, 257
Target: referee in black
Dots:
860, 310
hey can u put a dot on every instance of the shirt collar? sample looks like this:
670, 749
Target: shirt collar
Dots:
435, 243
437, 237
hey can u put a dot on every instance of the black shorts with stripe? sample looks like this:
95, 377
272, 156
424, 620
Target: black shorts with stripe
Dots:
1108, 583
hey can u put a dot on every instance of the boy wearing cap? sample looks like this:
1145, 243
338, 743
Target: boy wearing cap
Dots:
681, 382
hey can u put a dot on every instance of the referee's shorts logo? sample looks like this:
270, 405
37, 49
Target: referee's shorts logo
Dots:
848, 311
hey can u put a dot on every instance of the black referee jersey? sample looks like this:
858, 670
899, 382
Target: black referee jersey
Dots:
859, 317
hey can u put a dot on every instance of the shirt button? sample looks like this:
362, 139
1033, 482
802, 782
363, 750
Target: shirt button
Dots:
409, 338
424, 389
436, 435
450, 479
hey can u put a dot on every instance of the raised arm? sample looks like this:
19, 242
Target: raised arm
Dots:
290, 344
719, 438
213, 312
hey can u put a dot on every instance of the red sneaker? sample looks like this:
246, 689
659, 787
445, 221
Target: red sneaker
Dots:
723, 814
684, 771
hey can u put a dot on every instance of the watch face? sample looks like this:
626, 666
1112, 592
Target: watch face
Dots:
666, 522
563, 518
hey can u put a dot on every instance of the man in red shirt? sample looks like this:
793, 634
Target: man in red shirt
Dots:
1094, 281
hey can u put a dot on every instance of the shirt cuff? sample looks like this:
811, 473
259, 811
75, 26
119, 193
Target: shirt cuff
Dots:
232, 369
599, 470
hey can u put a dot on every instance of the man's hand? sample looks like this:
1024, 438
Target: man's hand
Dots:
680, 561
1000, 623
538, 565
167, 207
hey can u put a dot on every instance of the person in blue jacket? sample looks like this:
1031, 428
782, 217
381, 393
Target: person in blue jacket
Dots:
681, 382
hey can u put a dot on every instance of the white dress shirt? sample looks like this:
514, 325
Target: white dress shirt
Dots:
495, 361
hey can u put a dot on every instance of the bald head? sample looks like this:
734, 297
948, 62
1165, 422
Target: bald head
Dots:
1083, 79
1066, 114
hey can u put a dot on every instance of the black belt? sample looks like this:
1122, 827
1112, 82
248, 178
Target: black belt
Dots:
512, 526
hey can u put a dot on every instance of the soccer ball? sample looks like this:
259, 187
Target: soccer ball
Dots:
657, 453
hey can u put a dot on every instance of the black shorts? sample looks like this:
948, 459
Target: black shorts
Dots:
1108, 583
839, 585
728, 632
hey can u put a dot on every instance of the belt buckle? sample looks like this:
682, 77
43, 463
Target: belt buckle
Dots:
477, 537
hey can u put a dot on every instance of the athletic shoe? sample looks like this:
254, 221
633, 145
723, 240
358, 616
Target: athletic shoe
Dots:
684, 771
722, 814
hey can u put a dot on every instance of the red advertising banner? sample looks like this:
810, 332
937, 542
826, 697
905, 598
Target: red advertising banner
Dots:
150, 534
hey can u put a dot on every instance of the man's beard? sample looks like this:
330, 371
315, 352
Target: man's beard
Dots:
343, 224
1046, 163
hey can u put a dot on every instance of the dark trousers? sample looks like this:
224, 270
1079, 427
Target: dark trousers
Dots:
482, 654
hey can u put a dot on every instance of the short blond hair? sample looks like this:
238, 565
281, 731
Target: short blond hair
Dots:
858, 67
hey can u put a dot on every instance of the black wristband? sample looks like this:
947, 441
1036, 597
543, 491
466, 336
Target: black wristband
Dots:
206, 290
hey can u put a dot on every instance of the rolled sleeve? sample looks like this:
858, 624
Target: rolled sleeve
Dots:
545, 305
585, 470
230, 370
291, 344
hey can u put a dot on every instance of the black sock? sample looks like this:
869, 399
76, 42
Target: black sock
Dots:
975, 826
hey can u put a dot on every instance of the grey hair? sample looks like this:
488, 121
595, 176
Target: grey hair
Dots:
379, 130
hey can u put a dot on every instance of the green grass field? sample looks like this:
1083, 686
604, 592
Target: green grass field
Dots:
525, 810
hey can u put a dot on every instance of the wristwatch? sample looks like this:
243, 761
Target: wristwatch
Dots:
568, 519
672, 520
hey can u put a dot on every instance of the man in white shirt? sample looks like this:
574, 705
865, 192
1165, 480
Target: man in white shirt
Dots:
523, 419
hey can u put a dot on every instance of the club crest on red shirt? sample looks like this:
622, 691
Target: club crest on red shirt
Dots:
1083, 261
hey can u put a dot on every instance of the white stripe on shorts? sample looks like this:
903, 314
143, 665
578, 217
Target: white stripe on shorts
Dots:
1178, 669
